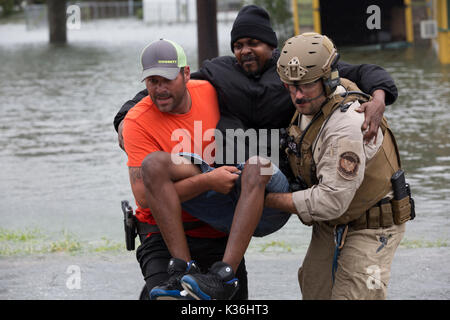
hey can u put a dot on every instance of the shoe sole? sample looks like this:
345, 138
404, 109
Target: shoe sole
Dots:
162, 295
193, 289
166, 298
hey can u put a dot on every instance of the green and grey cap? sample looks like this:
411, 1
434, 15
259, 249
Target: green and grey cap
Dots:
162, 58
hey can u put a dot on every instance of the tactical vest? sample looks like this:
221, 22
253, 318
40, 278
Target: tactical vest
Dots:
378, 172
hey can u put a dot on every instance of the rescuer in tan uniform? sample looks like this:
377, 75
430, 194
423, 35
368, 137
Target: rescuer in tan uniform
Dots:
346, 195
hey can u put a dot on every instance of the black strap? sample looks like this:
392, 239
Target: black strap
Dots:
145, 228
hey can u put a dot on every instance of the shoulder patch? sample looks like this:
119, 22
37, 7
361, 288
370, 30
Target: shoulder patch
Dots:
348, 164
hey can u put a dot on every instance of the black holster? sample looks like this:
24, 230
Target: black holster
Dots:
133, 226
403, 204
129, 222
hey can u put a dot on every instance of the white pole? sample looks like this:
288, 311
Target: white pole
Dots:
130, 8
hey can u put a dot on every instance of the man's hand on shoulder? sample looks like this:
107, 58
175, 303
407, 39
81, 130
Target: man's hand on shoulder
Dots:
373, 113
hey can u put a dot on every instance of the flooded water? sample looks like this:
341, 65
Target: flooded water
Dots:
61, 168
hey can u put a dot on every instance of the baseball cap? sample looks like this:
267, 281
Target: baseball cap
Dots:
162, 58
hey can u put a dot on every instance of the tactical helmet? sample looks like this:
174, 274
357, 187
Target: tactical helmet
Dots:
308, 57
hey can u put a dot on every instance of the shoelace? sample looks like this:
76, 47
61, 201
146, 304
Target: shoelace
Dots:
174, 280
213, 280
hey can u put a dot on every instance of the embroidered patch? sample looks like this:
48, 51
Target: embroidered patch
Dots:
348, 164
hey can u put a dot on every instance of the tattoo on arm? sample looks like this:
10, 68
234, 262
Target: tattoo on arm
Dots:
135, 174
137, 186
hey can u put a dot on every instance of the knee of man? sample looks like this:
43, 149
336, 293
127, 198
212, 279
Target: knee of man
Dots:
263, 165
258, 160
154, 164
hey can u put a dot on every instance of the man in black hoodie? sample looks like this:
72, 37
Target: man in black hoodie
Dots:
250, 93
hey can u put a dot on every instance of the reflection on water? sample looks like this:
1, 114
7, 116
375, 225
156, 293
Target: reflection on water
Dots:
60, 164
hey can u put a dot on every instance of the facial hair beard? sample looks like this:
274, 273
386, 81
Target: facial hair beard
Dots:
249, 73
164, 95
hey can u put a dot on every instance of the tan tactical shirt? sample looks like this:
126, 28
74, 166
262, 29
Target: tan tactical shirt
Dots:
340, 156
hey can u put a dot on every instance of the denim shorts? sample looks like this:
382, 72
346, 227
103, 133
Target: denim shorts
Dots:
217, 209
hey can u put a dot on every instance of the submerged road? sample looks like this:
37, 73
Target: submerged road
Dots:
420, 273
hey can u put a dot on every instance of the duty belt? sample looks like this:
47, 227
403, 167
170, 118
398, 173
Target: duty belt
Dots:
379, 216
385, 213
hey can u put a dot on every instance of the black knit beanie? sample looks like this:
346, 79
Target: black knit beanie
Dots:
253, 22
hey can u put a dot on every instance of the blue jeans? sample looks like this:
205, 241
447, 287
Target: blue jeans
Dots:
217, 209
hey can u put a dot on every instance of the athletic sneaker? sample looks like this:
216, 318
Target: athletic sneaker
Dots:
172, 289
219, 283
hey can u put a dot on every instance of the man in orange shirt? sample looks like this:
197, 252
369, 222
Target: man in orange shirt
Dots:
179, 109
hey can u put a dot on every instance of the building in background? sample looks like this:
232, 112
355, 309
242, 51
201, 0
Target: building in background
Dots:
441, 15
374, 24
379, 23
35, 12
185, 11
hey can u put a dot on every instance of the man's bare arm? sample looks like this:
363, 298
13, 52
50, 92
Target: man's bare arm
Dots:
137, 186
221, 180
280, 201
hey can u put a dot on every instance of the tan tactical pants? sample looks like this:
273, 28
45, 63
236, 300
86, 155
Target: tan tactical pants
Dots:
363, 266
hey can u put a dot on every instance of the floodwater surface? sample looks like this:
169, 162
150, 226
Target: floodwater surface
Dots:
61, 167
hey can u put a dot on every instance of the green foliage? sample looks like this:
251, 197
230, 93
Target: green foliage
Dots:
279, 246
34, 241
7, 6
19, 235
421, 243
139, 13
67, 244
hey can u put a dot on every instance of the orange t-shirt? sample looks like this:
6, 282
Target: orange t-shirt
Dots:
146, 130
